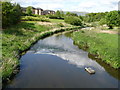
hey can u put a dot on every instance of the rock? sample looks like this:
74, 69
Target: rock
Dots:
90, 70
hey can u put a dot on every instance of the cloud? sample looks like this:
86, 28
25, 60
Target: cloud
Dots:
72, 5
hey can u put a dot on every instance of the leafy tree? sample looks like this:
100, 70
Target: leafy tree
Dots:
102, 21
81, 17
71, 14
11, 14
73, 20
93, 17
29, 11
113, 19
58, 14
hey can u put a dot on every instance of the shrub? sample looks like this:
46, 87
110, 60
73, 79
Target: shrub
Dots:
113, 19
73, 20
60, 24
11, 14
31, 18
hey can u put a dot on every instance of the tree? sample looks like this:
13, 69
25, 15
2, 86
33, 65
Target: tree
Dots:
73, 20
71, 14
29, 11
16, 12
102, 21
11, 14
113, 19
58, 14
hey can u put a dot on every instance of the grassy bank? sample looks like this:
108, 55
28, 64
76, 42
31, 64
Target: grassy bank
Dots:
18, 39
104, 46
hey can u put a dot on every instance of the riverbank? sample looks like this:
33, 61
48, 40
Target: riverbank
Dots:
18, 39
101, 45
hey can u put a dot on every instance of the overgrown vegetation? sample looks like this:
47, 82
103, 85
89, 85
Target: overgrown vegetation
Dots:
18, 38
57, 15
111, 19
101, 44
11, 14
31, 18
15, 40
73, 20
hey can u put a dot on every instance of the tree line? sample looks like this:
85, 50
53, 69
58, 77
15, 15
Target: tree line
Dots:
111, 18
12, 12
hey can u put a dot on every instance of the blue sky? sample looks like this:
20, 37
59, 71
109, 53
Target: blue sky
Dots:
72, 5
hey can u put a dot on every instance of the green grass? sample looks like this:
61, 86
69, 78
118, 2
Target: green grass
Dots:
104, 45
18, 38
15, 40
31, 18
56, 21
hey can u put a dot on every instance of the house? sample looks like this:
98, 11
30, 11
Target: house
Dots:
38, 11
23, 9
45, 12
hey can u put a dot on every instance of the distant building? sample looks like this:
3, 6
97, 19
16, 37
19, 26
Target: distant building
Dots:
24, 9
38, 11
45, 12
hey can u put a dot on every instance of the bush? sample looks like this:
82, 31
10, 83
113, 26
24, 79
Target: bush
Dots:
113, 19
73, 20
60, 24
51, 16
11, 14
102, 21
31, 18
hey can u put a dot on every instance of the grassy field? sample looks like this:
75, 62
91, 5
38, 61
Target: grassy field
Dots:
15, 40
102, 44
56, 21
18, 38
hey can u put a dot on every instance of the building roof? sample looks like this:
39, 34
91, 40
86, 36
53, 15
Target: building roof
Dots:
39, 8
49, 10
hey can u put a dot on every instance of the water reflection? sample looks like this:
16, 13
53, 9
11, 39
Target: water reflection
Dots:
56, 62
63, 47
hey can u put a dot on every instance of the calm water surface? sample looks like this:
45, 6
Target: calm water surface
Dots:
55, 62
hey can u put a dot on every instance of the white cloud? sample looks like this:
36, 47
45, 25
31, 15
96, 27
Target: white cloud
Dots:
72, 5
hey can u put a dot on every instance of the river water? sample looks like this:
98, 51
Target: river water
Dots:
55, 62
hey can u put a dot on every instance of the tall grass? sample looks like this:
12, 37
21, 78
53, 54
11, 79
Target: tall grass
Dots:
31, 18
101, 44
15, 40
18, 38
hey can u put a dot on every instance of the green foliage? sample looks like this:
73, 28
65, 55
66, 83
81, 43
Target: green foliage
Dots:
31, 18
73, 20
29, 11
101, 44
71, 14
113, 19
11, 14
102, 21
60, 25
16, 39
19, 38
57, 15
51, 16
93, 17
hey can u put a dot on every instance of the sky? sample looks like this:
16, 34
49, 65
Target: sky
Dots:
72, 5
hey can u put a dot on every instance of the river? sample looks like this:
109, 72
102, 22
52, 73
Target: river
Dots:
55, 62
